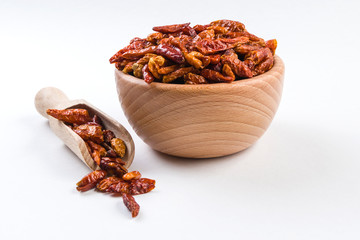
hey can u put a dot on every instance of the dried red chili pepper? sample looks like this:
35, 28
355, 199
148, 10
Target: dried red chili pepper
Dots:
171, 28
118, 66
226, 70
96, 156
147, 75
215, 76
154, 38
189, 31
90, 180
192, 78
95, 146
128, 67
136, 54
207, 34
252, 38
90, 132
170, 52
232, 26
154, 65
255, 57
108, 135
131, 204
112, 166
135, 44
182, 42
218, 29
137, 70
237, 66
114, 159
208, 46
119, 187
113, 185
168, 69
244, 49
118, 146
77, 116
123, 63
97, 151
215, 59
193, 59
200, 28
197, 59
272, 45
104, 184
263, 66
141, 186
231, 42
132, 175
145, 59
176, 74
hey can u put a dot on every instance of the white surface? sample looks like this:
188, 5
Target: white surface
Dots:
300, 181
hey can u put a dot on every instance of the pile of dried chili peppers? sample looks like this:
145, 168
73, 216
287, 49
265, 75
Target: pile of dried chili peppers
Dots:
222, 51
106, 150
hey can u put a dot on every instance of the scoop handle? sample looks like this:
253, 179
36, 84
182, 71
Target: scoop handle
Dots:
49, 97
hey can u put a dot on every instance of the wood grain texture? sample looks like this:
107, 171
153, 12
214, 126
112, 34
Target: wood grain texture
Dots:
54, 98
201, 121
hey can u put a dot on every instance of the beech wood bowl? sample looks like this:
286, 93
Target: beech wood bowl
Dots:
201, 121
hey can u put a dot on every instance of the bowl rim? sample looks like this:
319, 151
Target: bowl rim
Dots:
277, 69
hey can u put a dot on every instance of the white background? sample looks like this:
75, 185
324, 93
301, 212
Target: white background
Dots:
301, 180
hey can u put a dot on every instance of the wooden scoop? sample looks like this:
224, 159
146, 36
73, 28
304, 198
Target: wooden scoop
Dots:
51, 97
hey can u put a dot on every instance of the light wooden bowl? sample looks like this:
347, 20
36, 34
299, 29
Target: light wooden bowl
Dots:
201, 121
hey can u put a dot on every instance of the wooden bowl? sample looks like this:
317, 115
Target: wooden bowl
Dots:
201, 121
